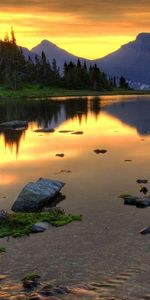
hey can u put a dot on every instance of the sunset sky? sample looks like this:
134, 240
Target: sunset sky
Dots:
87, 28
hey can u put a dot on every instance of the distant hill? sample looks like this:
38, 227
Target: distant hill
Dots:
131, 60
53, 51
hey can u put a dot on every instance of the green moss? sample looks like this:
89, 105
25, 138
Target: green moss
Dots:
2, 249
20, 224
30, 276
123, 196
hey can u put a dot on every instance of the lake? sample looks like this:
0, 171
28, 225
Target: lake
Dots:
119, 124
107, 241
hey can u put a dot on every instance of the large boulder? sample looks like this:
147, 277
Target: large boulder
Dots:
36, 195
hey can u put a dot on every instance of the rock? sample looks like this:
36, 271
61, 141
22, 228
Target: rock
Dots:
47, 290
3, 215
128, 160
30, 284
3, 277
35, 296
36, 195
65, 131
144, 190
145, 230
82, 292
129, 200
14, 124
45, 130
40, 227
77, 132
98, 151
60, 154
143, 202
144, 181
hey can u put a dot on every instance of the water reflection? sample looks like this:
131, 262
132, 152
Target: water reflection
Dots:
43, 113
109, 123
134, 113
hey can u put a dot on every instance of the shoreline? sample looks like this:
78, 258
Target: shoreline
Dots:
35, 91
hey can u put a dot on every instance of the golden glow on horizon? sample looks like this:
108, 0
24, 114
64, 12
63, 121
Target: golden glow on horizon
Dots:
78, 28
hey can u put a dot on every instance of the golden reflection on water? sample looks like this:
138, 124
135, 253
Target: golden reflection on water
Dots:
96, 132
34, 156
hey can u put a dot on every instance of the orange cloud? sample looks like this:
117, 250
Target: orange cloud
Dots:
86, 28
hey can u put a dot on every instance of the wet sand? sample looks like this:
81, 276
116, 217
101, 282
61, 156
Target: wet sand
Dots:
101, 247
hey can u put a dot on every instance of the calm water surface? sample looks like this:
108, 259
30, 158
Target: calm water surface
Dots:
119, 124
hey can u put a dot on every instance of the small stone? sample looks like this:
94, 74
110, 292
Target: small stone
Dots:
65, 131
145, 230
129, 200
47, 290
128, 160
44, 130
2, 277
35, 297
60, 154
40, 227
98, 151
3, 215
144, 190
143, 202
77, 132
144, 181
82, 292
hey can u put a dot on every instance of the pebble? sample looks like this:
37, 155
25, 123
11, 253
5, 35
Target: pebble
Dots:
60, 154
98, 151
77, 132
144, 181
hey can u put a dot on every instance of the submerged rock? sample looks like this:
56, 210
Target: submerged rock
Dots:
45, 130
77, 132
65, 131
37, 194
143, 202
129, 200
144, 181
60, 154
138, 202
144, 190
98, 151
14, 124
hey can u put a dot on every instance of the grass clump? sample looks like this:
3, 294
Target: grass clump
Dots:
124, 196
30, 276
20, 224
2, 249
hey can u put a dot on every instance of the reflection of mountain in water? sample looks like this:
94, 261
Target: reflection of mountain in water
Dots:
45, 113
134, 113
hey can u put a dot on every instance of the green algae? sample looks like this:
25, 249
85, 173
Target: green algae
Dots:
20, 224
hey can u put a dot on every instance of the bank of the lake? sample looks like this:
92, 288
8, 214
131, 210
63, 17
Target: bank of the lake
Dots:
33, 91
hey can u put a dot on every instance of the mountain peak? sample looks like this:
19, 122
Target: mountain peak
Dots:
47, 43
143, 37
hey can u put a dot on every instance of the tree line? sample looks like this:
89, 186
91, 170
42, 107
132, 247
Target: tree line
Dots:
16, 70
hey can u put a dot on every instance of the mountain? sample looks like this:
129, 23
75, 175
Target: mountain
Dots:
131, 60
53, 51
27, 53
